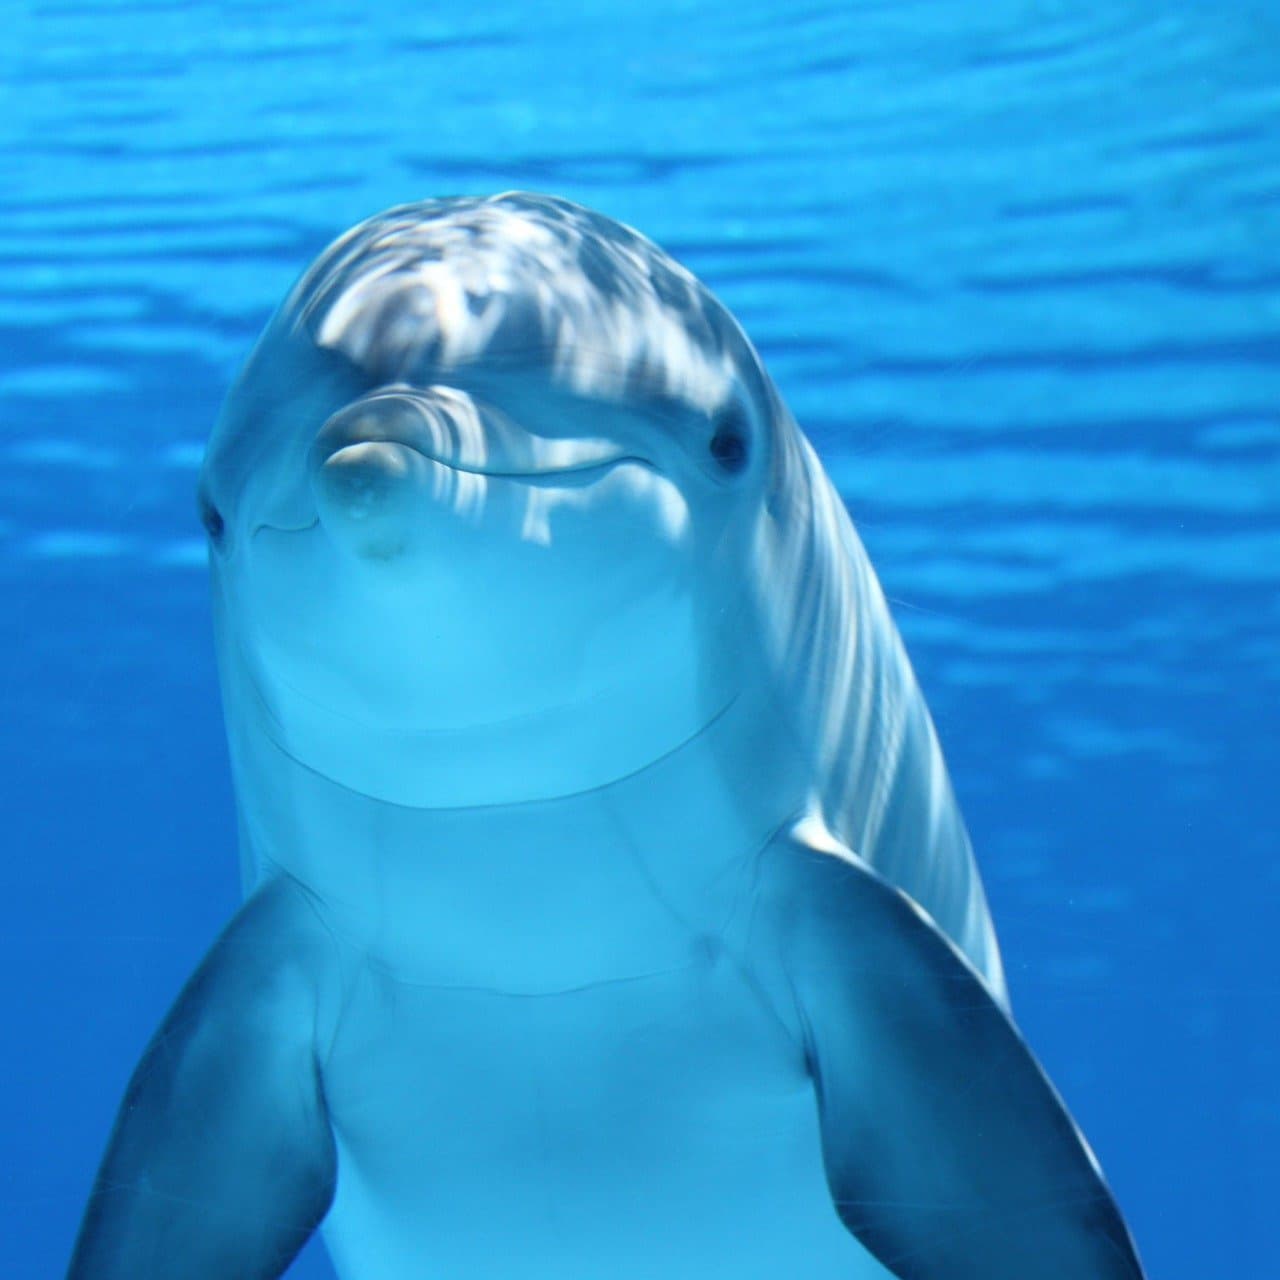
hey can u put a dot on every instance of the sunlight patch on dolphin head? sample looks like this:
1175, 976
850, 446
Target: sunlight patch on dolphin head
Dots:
636, 485
435, 287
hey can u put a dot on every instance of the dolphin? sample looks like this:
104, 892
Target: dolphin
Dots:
608, 910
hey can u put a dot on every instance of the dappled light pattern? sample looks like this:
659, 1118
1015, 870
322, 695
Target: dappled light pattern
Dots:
441, 284
879, 782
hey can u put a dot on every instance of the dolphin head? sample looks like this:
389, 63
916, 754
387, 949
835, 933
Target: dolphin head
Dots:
478, 505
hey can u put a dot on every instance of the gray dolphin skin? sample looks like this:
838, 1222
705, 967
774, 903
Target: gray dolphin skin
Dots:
608, 912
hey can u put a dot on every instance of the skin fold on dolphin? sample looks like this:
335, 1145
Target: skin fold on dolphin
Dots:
608, 911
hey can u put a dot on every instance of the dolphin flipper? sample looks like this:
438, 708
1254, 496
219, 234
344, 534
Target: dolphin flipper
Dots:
222, 1162
948, 1152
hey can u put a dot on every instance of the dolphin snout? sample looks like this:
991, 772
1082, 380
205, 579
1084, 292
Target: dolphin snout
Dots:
368, 464
365, 495
364, 480
365, 473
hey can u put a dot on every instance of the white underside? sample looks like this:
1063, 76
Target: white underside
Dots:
657, 1128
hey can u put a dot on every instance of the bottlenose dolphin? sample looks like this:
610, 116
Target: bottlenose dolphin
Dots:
608, 909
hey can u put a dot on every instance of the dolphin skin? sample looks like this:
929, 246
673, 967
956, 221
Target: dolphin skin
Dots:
608, 911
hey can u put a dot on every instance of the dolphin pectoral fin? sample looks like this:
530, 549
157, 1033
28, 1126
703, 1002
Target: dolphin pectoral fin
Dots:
221, 1162
948, 1152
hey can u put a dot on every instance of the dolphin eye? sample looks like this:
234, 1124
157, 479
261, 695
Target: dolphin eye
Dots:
211, 518
729, 445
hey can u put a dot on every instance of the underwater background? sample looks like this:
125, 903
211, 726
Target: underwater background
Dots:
1014, 267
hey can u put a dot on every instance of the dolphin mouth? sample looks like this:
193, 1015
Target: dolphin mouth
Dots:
450, 429
580, 473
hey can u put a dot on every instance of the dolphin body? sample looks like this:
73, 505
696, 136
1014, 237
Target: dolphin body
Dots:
608, 910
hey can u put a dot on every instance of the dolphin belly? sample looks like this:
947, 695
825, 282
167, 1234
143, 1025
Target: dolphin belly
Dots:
662, 1125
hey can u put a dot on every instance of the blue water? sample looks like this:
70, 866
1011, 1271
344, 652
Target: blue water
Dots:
1013, 267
